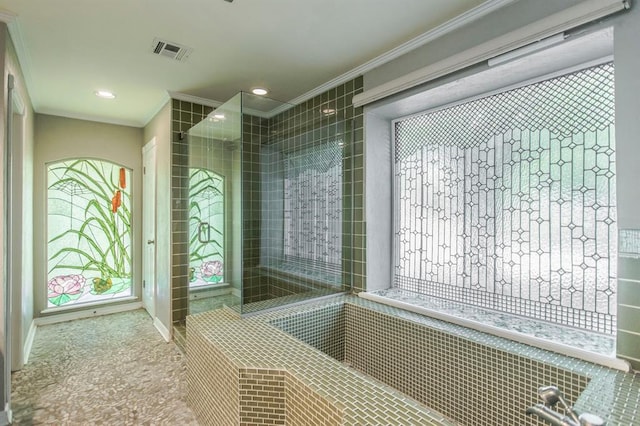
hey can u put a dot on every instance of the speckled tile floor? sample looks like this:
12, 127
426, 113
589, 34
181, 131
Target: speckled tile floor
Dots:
109, 370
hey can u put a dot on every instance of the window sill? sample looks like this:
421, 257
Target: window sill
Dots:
102, 303
587, 346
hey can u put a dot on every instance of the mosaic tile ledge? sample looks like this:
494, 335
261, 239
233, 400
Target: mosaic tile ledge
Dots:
583, 340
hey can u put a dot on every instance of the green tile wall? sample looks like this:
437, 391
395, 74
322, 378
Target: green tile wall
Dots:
183, 116
254, 132
307, 118
303, 118
628, 333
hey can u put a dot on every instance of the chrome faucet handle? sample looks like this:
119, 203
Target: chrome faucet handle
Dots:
551, 395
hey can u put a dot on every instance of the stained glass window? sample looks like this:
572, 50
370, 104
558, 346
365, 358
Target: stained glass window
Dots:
508, 201
88, 232
206, 227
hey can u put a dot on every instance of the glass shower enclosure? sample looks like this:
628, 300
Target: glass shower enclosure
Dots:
269, 205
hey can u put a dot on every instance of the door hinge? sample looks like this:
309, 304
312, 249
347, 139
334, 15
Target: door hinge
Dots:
144, 170
144, 283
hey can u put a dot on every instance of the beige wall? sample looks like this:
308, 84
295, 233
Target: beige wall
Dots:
59, 138
160, 129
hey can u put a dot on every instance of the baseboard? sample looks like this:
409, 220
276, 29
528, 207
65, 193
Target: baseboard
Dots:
164, 332
87, 313
26, 351
6, 416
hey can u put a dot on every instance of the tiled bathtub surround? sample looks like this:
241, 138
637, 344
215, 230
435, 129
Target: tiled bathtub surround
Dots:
482, 379
628, 336
324, 329
229, 358
450, 374
468, 381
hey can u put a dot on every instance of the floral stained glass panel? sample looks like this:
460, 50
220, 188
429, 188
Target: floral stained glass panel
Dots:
206, 228
88, 232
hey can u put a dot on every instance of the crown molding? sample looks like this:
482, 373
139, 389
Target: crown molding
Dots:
90, 117
22, 53
7, 16
459, 21
194, 99
165, 98
465, 18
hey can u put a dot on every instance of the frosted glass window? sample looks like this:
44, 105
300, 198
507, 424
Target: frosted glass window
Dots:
313, 204
89, 232
508, 201
302, 209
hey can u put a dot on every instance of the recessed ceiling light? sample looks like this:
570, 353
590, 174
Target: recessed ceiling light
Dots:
328, 111
105, 94
259, 91
219, 116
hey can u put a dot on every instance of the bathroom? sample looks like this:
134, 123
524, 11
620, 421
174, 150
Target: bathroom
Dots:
338, 302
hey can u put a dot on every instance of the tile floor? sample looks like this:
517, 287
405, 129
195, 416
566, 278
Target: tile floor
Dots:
110, 370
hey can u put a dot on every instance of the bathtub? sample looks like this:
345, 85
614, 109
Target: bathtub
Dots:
343, 350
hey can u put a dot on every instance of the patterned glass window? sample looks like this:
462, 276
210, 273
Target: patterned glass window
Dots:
313, 207
508, 201
89, 232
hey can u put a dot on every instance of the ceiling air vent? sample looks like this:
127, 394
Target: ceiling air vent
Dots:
170, 49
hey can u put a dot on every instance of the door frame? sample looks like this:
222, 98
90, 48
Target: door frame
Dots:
20, 257
149, 227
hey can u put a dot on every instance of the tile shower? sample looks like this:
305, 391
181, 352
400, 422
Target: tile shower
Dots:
284, 155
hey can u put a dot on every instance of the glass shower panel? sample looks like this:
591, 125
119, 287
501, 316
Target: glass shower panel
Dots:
296, 202
214, 182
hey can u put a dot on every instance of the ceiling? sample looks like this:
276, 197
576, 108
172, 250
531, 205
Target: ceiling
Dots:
68, 49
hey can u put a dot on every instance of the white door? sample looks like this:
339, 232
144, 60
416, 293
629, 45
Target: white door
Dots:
149, 227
